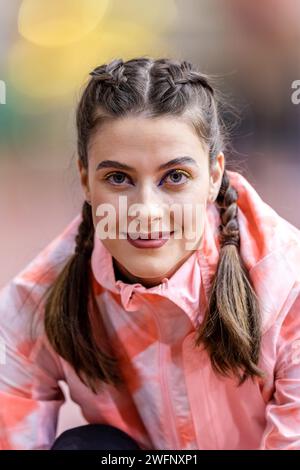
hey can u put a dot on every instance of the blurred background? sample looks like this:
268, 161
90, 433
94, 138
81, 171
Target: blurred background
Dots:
47, 48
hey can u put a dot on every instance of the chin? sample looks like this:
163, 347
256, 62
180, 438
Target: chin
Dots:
149, 270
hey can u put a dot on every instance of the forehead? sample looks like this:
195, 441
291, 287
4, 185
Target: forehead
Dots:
137, 139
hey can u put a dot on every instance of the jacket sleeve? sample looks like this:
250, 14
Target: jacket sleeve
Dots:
282, 431
30, 397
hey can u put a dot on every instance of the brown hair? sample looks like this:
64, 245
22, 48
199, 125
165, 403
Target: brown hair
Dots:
231, 327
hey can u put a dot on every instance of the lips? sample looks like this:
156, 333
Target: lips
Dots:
150, 236
148, 243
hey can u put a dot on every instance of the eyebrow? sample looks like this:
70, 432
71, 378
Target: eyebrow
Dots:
123, 166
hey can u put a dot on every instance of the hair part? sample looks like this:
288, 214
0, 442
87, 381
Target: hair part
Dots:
231, 328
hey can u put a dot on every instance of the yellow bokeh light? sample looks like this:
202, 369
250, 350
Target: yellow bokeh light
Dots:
59, 22
55, 73
155, 14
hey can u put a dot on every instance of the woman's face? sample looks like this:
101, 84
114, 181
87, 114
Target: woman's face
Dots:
161, 165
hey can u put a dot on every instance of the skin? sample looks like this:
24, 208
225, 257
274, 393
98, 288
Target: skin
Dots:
144, 144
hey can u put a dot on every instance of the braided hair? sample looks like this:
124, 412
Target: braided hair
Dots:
231, 327
67, 319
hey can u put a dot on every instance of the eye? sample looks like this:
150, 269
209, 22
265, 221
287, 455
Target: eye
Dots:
176, 177
116, 178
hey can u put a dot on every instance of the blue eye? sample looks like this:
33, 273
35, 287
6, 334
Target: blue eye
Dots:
177, 177
116, 178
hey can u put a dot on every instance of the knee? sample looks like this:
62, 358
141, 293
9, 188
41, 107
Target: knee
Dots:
94, 437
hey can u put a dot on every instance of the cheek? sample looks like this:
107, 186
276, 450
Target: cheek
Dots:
193, 221
101, 194
196, 192
199, 191
105, 207
192, 206
113, 246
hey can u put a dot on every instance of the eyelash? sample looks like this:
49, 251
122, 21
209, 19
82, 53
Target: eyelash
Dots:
181, 172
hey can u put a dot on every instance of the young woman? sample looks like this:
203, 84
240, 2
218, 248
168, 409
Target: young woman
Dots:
166, 340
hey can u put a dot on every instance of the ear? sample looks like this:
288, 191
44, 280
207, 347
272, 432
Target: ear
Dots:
84, 180
216, 175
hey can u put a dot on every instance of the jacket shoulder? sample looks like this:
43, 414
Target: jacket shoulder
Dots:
21, 299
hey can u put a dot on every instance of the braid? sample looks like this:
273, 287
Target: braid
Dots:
231, 328
67, 317
193, 76
227, 202
176, 89
111, 74
84, 240
174, 75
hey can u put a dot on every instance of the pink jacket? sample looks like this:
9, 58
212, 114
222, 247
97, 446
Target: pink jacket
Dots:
171, 399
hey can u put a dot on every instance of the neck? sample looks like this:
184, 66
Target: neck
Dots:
122, 274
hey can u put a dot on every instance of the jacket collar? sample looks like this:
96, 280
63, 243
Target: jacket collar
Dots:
187, 277
269, 248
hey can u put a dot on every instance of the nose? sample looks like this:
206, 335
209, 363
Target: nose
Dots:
147, 209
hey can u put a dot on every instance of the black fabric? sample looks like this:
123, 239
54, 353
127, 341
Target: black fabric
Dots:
94, 437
